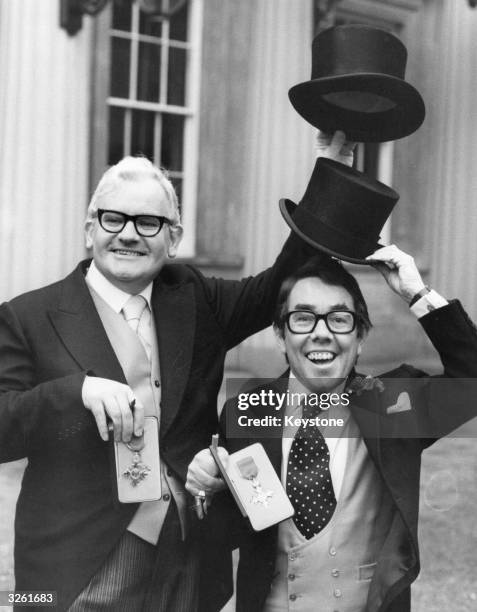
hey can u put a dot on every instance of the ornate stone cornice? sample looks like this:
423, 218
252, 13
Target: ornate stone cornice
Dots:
72, 11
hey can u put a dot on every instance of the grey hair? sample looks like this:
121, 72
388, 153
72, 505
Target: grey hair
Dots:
132, 169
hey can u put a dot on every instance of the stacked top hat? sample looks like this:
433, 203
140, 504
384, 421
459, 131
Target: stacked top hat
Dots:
357, 85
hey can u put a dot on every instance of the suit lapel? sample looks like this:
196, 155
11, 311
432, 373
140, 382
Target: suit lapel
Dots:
273, 448
365, 410
79, 327
273, 445
387, 453
174, 314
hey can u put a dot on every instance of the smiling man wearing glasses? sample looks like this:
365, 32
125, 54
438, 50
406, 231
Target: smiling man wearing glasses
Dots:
137, 228
125, 336
321, 324
351, 544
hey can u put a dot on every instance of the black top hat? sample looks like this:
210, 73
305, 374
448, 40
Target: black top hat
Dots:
357, 85
342, 211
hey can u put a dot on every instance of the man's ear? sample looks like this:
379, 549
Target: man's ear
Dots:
362, 340
175, 237
88, 233
280, 338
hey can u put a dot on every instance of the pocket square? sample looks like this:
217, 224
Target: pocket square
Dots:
402, 404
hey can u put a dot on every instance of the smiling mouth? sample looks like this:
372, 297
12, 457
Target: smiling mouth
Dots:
128, 252
320, 357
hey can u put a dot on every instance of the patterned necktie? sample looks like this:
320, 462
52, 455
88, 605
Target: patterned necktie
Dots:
309, 485
137, 314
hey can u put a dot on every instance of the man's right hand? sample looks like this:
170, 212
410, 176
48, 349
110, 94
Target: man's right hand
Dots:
203, 473
109, 398
335, 146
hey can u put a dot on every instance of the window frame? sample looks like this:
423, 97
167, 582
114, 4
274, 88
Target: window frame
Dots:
102, 101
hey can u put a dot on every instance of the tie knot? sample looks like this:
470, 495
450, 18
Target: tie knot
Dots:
309, 410
133, 309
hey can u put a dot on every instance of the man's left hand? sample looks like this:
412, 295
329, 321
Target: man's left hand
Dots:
399, 269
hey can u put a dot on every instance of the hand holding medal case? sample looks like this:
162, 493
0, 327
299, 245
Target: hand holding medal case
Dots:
137, 466
255, 486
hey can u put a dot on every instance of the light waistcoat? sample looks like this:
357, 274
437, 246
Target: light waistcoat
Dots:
332, 571
142, 376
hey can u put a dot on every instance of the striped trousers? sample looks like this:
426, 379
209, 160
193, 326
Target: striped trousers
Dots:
140, 577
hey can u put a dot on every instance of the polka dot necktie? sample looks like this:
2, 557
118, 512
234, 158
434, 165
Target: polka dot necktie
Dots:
309, 485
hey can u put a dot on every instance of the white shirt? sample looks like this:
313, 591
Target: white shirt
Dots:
114, 297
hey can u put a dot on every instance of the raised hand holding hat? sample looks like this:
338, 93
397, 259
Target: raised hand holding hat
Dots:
399, 269
335, 147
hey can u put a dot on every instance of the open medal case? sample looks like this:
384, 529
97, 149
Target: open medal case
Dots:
255, 486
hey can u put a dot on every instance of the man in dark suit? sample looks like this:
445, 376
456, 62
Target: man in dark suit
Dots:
352, 542
73, 359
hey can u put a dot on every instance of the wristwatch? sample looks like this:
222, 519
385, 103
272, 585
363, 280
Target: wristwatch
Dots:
424, 291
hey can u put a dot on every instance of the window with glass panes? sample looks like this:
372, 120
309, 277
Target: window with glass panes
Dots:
153, 94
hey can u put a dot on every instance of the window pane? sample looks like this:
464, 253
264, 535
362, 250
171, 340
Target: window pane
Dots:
149, 72
122, 14
176, 77
150, 24
172, 138
120, 59
116, 134
177, 183
178, 24
142, 137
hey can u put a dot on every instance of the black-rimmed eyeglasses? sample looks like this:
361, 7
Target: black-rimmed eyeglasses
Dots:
147, 226
305, 321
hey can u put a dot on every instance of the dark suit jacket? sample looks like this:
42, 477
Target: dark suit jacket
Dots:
66, 520
437, 406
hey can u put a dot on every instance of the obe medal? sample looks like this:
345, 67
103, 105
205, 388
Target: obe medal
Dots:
138, 470
249, 470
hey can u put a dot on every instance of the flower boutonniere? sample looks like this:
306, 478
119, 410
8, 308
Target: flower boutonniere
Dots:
365, 383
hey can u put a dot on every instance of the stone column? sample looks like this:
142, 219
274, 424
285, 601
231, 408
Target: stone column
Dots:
44, 125
279, 141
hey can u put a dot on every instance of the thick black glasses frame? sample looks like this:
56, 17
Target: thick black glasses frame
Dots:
318, 317
134, 219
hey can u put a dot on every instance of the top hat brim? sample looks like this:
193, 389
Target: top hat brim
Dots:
402, 120
287, 207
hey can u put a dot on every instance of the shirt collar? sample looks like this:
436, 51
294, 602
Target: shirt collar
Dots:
113, 296
298, 386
